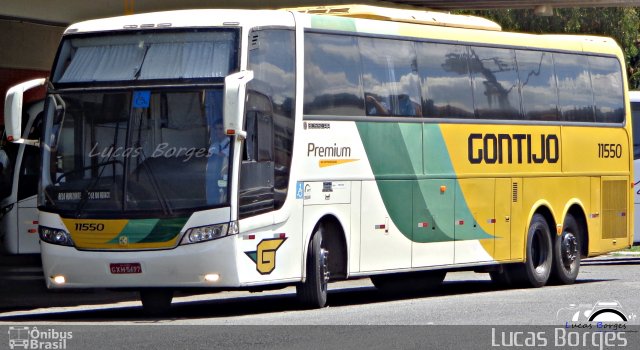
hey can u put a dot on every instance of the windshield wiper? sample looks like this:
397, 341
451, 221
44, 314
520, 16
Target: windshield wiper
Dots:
164, 203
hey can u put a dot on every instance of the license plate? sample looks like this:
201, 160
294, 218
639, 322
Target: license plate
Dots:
124, 268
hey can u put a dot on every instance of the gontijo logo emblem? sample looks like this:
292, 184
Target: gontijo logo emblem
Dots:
265, 255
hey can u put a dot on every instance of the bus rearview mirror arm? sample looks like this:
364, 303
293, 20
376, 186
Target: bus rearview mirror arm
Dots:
13, 111
233, 109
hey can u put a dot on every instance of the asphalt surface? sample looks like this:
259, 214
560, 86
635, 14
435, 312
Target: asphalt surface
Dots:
467, 312
22, 286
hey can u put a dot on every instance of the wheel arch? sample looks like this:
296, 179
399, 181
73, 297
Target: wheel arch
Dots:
334, 240
576, 209
545, 209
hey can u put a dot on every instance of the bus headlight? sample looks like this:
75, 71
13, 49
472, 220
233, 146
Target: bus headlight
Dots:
205, 233
55, 236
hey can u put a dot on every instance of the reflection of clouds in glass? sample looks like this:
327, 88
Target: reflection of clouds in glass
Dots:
581, 82
607, 91
606, 81
327, 83
381, 51
539, 98
408, 85
446, 91
339, 53
279, 79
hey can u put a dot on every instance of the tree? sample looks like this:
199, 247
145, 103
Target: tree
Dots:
620, 23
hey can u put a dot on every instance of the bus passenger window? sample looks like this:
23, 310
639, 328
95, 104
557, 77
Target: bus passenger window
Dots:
332, 75
538, 85
390, 76
575, 97
446, 84
606, 79
494, 77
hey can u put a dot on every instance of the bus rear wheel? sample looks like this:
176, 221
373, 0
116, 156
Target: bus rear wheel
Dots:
312, 293
536, 269
156, 301
566, 253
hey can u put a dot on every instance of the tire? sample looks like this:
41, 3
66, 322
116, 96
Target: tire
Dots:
566, 253
312, 293
412, 282
156, 302
536, 269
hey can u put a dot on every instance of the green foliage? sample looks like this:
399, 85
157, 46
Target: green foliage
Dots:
620, 23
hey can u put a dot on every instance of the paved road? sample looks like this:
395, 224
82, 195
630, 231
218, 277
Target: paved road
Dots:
465, 298
466, 312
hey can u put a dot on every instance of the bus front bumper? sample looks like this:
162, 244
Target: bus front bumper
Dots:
207, 264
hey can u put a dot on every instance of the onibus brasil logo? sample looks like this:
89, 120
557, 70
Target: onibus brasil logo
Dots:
33, 338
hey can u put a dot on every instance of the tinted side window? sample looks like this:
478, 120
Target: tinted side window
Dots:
538, 85
332, 75
575, 99
446, 84
270, 122
606, 79
495, 83
390, 77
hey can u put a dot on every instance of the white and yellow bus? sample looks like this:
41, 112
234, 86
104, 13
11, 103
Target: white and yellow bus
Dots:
259, 149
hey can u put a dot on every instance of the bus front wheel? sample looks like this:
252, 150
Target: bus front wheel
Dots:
156, 301
566, 253
312, 293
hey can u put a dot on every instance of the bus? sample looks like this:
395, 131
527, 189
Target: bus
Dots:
19, 188
634, 97
260, 149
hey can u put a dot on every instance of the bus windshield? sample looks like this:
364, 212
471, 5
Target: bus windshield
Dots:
146, 57
154, 150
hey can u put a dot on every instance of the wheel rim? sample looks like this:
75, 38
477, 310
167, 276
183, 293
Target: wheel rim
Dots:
324, 269
539, 252
569, 249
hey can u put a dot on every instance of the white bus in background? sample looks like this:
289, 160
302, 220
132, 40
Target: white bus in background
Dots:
19, 167
634, 97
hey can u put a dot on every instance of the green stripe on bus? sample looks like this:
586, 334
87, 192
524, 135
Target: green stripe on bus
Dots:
334, 23
150, 230
396, 150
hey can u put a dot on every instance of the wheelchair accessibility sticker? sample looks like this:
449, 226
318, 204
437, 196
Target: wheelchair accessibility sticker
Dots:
141, 99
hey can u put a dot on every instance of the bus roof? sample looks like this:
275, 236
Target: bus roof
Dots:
360, 19
402, 15
183, 19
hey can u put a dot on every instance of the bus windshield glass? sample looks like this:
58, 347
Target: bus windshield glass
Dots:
146, 56
138, 150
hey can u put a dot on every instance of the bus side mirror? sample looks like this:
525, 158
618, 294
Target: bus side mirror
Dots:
13, 110
234, 95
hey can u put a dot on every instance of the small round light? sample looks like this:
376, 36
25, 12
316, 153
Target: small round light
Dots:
59, 279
